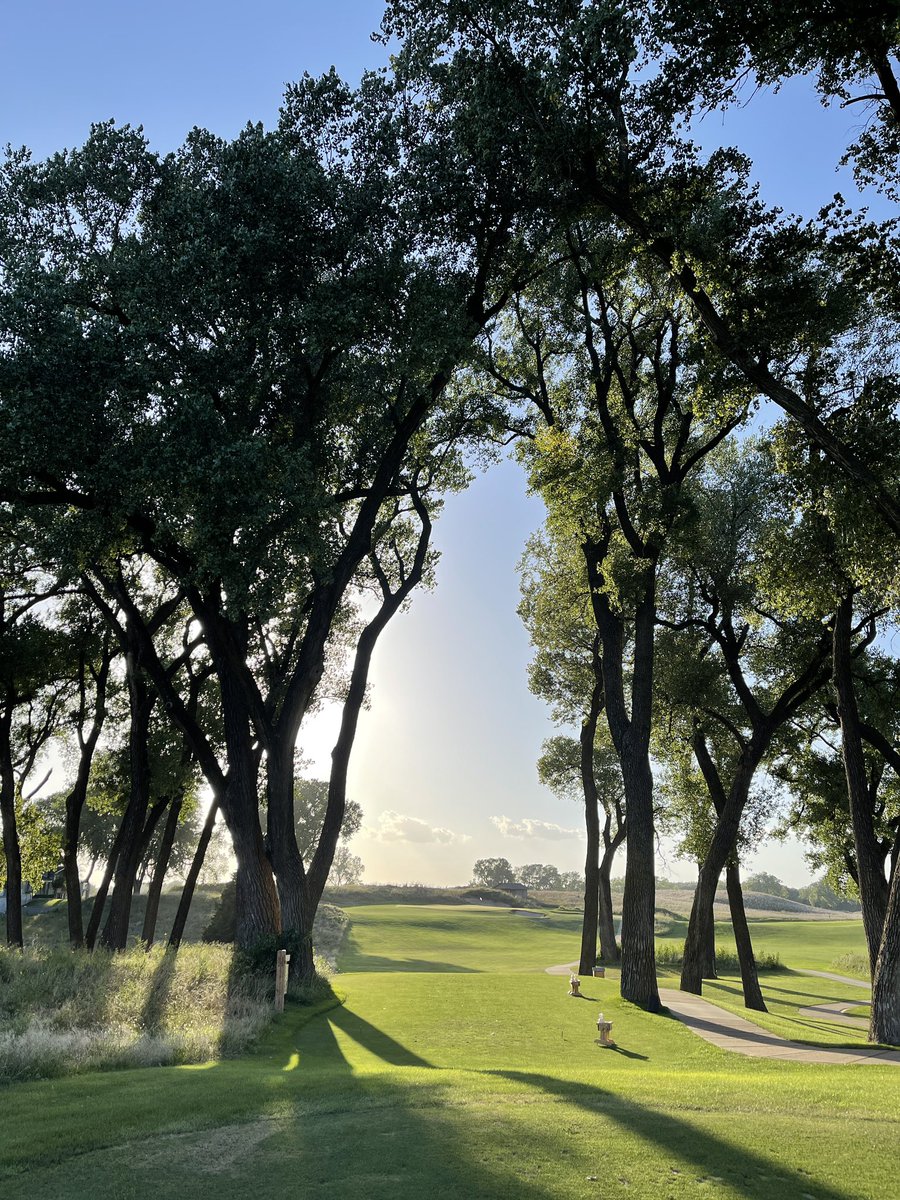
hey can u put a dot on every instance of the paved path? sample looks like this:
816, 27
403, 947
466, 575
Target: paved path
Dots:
731, 1032
728, 1031
836, 1013
860, 983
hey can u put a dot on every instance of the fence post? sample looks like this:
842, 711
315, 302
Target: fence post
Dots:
281, 961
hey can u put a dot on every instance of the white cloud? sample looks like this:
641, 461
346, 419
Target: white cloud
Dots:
396, 827
527, 828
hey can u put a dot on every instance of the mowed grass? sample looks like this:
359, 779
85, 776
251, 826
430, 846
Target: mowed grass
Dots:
457, 1068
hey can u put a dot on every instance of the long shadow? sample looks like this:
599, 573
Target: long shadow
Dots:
761, 1037
706, 1151
373, 962
375, 1040
158, 993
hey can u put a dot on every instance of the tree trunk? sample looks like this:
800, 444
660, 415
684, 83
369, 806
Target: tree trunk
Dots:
590, 921
701, 927
638, 979
190, 883
148, 932
708, 948
609, 946
281, 837
589, 925
10, 832
753, 997
77, 797
631, 738
90, 937
340, 755
885, 1022
74, 913
257, 911
115, 931
873, 887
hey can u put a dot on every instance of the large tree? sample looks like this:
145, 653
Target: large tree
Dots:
627, 405
240, 353
567, 672
585, 91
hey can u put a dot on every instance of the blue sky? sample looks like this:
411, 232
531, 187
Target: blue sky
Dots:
444, 763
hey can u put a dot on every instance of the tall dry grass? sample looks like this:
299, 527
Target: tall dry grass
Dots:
63, 1012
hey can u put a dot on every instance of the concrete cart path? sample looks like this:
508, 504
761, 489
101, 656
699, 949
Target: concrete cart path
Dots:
731, 1032
860, 983
836, 1012
728, 1031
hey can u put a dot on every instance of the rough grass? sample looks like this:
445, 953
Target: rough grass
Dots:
416, 893
670, 954
45, 921
63, 1012
853, 964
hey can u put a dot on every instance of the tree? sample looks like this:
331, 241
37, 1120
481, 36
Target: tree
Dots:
492, 873
611, 361
34, 690
562, 85
310, 805
260, 348
743, 670
567, 672
346, 867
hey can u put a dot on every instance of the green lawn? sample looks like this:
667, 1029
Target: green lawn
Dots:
458, 1069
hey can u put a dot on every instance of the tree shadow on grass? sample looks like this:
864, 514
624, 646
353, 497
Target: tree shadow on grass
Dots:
375, 1040
749, 1173
373, 962
154, 1009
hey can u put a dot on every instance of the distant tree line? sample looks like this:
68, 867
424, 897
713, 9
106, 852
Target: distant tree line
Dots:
495, 872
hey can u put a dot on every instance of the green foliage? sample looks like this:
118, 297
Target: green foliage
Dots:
492, 872
220, 927
852, 964
670, 955
310, 802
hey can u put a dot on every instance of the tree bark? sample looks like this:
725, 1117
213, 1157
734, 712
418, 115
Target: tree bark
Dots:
885, 1022
10, 831
257, 910
148, 932
753, 997
708, 949
76, 798
701, 927
90, 937
287, 862
609, 946
141, 702
590, 922
631, 737
392, 602
190, 883
873, 887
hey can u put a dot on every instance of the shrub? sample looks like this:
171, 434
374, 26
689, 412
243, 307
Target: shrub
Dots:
671, 954
852, 964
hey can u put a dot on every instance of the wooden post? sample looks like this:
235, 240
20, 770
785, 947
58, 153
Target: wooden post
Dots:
281, 962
